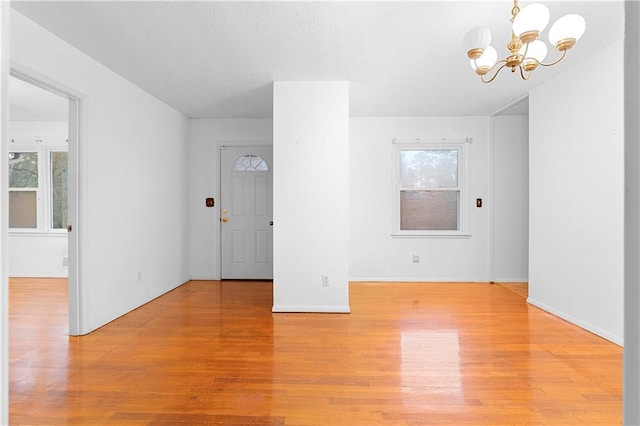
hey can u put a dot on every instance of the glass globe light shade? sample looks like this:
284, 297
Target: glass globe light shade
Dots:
536, 52
476, 40
566, 31
484, 63
530, 21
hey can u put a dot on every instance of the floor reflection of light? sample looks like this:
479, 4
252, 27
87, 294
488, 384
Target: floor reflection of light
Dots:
430, 364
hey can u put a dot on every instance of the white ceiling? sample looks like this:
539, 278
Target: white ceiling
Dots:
218, 59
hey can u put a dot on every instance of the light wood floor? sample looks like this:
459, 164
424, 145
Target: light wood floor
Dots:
213, 353
519, 288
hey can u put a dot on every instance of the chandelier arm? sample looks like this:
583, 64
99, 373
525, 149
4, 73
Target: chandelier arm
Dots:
475, 63
564, 53
504, 64
526, 50
524, 77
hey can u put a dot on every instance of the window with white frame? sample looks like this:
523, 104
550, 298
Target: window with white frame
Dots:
37, 188
430, 188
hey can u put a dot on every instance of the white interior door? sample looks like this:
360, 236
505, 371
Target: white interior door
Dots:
246, 206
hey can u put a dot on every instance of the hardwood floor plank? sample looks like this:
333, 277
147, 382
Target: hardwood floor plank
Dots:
212, 352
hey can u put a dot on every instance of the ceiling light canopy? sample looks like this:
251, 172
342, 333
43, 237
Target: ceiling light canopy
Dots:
527, 51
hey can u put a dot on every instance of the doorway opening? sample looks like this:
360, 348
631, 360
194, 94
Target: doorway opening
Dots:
508, 253
43, 134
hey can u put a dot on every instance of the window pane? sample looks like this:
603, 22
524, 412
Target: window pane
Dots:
428, 169
250, 163
22, 209
23, 170
59, 190
429, 210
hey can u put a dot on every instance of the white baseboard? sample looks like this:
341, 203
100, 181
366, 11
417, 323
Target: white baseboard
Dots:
327, 309
204, 278
39, 275
582, 324
419, 279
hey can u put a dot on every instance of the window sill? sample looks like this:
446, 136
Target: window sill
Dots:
444, 234
38, 234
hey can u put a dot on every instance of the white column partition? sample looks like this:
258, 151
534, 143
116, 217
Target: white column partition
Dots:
310, 196
632, 216
576, 204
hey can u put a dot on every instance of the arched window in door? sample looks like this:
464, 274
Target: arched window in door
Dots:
250, 163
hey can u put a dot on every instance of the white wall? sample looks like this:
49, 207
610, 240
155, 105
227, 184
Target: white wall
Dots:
576, 195
37, 254
134, 157
38, 129
207, 135
374, 255
510, 195
310, 196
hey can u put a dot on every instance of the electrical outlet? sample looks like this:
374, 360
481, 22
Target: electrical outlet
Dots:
325, 281
139, 276
65, 261
416, 258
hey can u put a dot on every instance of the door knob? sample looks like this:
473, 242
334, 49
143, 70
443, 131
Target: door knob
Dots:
270, 223
224, 220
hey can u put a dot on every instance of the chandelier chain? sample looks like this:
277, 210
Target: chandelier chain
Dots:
515, 10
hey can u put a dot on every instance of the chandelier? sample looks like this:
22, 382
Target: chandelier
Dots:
526, 51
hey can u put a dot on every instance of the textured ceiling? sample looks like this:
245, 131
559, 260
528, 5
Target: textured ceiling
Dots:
218, 59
